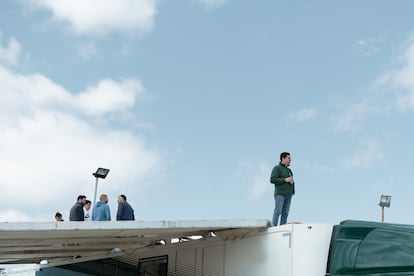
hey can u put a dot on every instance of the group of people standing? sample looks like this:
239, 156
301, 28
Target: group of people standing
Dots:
100, 212
281, 177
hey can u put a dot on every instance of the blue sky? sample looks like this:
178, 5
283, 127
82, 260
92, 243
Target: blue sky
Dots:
190, 103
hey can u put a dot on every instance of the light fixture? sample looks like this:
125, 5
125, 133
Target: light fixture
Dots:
100, 173
385, 201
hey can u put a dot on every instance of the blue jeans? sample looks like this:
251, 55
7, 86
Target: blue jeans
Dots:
282, 206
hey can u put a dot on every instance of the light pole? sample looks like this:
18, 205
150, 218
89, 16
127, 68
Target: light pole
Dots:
100, 173
385, 201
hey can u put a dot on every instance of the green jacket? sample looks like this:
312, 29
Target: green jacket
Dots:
279, 173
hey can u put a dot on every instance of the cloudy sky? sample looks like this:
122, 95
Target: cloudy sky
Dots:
189, 104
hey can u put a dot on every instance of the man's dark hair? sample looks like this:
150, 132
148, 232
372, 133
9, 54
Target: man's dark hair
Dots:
284, 155
88, 201
58, 214
123, 196
81, 197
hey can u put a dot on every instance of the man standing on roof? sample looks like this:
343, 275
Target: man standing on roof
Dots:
125, 211
101, 210
76, 212
282, 177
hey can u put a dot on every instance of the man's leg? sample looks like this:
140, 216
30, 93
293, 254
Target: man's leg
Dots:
279, 200
285, 209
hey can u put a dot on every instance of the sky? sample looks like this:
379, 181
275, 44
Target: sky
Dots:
189, 104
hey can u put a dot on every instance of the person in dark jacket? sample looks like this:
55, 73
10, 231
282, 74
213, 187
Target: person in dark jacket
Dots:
282, 177
58, 216
76, 212
125, 211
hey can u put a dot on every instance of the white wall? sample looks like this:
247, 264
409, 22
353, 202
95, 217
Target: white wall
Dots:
288, 250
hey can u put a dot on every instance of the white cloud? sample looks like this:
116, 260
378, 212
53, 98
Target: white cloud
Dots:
212, 4
303, 114
51, 140
28, 93
102, 16
260, 183
258, 177
357, 113
109, 96
9, 55
401, 80
368, 154
398, 95
352, 118
369, 46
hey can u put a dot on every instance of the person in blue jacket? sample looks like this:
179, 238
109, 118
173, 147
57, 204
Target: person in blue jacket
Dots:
101, 210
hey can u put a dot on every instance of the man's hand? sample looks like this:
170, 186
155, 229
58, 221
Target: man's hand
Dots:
289, 179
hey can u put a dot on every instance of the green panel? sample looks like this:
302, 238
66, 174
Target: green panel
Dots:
370, 248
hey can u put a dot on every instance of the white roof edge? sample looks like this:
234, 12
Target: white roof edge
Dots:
110, 225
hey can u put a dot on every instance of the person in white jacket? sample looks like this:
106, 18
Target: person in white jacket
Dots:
86, 209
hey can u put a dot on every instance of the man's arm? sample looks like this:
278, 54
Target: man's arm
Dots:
94, 214
107, 213
120, 211
80, 214
276, 176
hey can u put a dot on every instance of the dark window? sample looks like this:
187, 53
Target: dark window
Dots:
104, 267
155, 266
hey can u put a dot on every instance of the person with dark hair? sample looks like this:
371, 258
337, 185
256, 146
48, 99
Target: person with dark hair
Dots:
101, 210
125, 211
76, 212
58, 216
86, 209
282, 177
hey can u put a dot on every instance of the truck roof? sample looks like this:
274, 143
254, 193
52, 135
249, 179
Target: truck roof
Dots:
58, 243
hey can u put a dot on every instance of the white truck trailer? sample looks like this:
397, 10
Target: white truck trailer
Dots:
210, 248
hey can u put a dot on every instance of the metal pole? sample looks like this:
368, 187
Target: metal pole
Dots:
382, 217
96, 188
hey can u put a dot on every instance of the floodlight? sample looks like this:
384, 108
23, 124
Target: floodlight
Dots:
385, 201
101, 173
